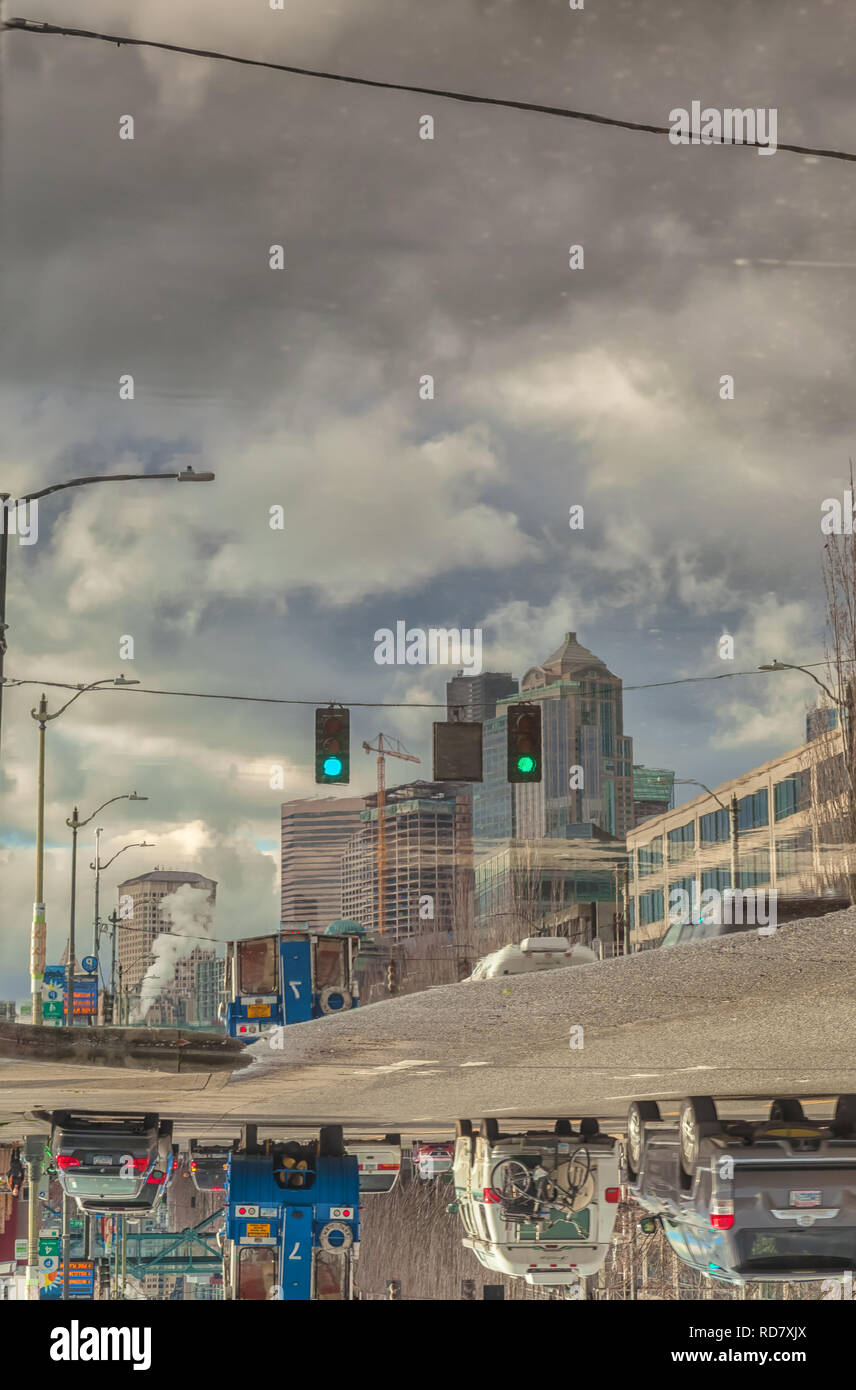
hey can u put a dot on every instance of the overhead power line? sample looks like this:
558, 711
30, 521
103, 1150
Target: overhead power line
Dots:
33, 26
375, 704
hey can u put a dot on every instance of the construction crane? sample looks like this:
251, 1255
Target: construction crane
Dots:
384, 750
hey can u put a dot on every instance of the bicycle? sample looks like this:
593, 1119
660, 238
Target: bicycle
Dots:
532, 1194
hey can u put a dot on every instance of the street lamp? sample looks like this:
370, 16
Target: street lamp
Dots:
75, 824
733, 817
98, 866
38, 931
845, 711
186, 475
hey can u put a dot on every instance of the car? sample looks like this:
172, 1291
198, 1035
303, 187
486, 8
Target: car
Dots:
430, 1160
538, 1204
147, 1200
379, 1162
103, 1155
533, 953
688, 933
740, 1200
209, 1165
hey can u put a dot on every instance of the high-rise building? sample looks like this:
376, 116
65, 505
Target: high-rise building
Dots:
428, 860
587, 763
315, 835
210, 985
652, 791
141, 921
473, 698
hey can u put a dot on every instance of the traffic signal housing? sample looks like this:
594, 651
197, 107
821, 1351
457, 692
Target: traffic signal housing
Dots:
333, 744
524, 743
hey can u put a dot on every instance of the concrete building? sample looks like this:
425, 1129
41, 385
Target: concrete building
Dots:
140, 922
315, 835
473, 698
427, 879
791, 839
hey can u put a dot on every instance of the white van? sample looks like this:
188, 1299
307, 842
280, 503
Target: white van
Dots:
555, 1240
533, 953
379, 1162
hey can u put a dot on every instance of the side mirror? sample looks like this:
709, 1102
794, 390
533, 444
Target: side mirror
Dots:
452, 1208
649, 1224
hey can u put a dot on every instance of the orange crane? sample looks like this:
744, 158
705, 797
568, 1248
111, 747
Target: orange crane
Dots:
383, 751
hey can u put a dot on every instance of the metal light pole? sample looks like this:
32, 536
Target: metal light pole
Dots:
74, 825
845, 713
187, 475
34, 1150
38, 931
98, 866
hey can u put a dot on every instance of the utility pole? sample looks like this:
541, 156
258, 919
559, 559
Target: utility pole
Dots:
98, 834
34, 1149
119, 998
735, 832
66, 1245
69, 974
38, 931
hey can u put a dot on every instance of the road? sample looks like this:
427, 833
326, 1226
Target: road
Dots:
745, 1017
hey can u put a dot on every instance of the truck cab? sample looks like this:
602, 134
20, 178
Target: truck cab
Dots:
292, 1219
290, 976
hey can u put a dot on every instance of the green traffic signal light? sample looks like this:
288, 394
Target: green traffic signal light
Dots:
524, 742
332, 744
526, 764
332, 767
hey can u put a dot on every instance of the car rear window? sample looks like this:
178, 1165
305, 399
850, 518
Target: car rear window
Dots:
828, 1248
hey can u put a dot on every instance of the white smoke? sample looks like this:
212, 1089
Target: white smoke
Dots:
192, 923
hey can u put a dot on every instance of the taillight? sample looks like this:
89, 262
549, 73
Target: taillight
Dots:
612, 1194
156, 1178
721, 1220
140, 1164
388, 1167
67, 1161
193, 1165
490, 1196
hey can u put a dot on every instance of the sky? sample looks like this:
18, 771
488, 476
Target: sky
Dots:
300, 388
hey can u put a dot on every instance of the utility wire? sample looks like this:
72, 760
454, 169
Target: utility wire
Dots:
39, 27
384, 704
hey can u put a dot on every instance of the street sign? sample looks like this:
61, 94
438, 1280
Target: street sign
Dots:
48, 1246
90, 964
21, 1249
52, 1008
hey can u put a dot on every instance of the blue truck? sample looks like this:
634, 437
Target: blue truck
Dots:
290, 976
292, 1219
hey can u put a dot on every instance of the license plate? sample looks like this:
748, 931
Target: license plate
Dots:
104, 1159
258, 1228
805, 1199
258, 1011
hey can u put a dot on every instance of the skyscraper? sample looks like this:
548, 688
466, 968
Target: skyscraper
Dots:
141, 921
315, 835
587, 759
428, 872
473, 698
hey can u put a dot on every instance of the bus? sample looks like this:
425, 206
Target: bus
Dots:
292, 1219
291, 976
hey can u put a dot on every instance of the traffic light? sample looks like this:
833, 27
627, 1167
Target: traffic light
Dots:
333, 744
524, 743
391, 977
457, 752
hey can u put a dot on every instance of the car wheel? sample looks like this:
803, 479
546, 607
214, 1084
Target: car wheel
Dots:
393, 1139
640, 1113
696, 1111
464, 1129
844, 1123
331, 1141
787, 1110
490, 1130
564, 1128
589, 1127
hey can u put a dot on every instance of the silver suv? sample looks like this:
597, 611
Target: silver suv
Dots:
745, 1199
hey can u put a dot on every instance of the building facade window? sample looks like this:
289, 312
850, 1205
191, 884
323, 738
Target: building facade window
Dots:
753, 810
651, 907
790, 796
713, 828
682, 841
650, 857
